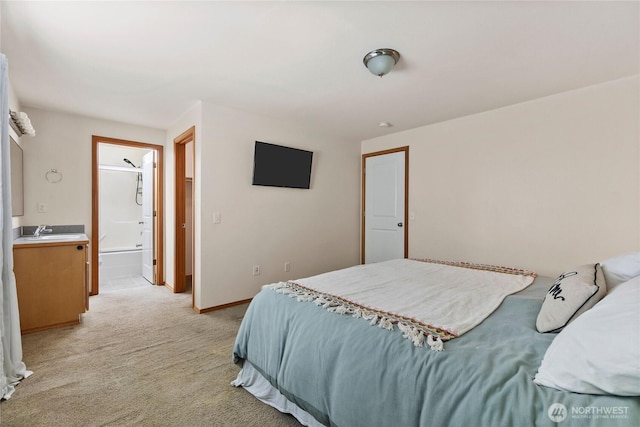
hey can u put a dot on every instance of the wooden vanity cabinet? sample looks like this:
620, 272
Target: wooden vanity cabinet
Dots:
51, 281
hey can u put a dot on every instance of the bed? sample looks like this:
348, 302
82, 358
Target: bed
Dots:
307, 356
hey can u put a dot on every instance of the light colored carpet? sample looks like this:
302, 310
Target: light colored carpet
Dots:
140, 357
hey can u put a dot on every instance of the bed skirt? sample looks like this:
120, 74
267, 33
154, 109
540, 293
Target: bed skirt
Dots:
250, 379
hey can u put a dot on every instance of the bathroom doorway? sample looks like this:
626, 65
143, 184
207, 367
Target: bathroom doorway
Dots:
127, 217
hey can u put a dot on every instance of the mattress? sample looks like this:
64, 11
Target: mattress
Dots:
343, 372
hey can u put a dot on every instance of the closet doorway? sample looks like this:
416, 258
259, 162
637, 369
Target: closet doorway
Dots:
184, 153
385, 201
127, 215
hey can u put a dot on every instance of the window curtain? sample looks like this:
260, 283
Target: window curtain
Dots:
13, 369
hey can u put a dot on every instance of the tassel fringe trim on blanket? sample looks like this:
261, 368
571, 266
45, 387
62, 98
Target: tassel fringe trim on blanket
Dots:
486, 267
412, 330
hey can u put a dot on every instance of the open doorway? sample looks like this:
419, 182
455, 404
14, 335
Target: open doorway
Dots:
184, 149
127, 217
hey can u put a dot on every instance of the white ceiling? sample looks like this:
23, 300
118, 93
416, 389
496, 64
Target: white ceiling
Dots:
146, 63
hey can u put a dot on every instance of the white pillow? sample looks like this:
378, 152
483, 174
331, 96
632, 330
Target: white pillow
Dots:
599, 353
573, 293
619, 269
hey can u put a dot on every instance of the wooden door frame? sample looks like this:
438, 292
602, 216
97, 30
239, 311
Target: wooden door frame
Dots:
95, 206
179, 149
365, 156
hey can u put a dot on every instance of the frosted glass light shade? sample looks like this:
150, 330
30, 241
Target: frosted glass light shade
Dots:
381, 61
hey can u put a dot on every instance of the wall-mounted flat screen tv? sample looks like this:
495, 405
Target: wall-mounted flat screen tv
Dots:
278, 166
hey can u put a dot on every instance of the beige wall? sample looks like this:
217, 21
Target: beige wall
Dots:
544, 184
541, 185
315, 230
63, 142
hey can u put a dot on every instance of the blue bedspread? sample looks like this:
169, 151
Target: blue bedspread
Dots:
347, 373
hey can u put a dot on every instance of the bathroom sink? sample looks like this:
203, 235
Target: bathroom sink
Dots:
64, 236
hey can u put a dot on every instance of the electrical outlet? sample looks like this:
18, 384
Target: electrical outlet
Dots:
42, 207
256, 270
287, 266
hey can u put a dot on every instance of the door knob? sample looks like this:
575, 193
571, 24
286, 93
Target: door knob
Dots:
399, 224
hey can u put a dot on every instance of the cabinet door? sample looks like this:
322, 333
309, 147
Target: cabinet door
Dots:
50, 285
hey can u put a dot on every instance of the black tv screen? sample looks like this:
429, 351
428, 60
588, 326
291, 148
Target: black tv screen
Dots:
278, 166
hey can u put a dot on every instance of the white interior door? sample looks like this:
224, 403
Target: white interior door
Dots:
384, 214
148, 218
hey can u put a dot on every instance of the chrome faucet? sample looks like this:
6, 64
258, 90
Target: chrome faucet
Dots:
42, 229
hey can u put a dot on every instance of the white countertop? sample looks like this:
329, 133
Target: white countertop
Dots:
52, 238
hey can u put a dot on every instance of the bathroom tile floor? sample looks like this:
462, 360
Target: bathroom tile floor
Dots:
123, 283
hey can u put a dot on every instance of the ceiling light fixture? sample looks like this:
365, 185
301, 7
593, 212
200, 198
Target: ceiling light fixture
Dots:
381, 61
